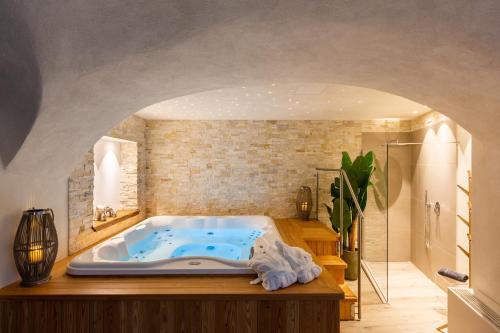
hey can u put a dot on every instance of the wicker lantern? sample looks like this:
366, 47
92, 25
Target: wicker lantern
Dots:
35, 246
304, 202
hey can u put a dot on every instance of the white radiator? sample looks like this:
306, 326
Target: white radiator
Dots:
468, 314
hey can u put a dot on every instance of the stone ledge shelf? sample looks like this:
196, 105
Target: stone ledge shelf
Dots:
121, 216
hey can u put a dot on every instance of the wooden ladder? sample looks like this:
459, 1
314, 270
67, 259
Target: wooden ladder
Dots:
468, 222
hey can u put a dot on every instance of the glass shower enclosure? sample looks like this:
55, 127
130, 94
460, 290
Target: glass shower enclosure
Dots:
385, 235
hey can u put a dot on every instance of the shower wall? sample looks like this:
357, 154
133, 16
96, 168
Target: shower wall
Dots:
434, 169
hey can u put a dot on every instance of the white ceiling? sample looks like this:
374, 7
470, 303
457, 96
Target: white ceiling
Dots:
286, 102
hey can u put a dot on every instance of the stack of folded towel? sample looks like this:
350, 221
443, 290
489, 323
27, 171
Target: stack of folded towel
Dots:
279, 265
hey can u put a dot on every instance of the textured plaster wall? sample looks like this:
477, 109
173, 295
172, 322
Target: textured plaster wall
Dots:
102, 61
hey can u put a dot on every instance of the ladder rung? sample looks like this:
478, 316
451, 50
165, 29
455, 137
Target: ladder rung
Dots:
464, 250
461, 218
466, 191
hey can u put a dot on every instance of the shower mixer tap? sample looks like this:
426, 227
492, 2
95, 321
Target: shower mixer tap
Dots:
430, 204
427, 223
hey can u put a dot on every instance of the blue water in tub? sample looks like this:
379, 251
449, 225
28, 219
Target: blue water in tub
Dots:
227, 243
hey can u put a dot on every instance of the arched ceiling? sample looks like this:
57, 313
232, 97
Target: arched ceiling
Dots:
309, 101
101, 61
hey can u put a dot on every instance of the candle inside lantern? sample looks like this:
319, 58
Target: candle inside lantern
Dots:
304, 206
35, 254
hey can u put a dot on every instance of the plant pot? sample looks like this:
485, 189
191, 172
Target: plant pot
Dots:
351, 259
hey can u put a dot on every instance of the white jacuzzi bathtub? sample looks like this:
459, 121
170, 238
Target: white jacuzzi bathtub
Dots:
178, 245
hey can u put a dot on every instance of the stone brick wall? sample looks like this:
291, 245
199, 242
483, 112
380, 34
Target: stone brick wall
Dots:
80, 196
134, 129
81, 186
128, 176
220, 168
246, 167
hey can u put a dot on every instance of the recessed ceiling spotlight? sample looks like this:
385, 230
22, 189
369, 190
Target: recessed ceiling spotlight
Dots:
270, 92
274, 84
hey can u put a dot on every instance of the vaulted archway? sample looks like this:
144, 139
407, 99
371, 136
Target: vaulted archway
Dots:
100, 62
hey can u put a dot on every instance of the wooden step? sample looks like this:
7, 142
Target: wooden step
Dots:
322, 248
347, 304
321, 239
334, 265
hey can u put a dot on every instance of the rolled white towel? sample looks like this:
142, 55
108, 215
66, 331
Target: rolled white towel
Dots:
300, 261
272, 269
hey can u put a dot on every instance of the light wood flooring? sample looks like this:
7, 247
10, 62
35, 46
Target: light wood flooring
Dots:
416, 304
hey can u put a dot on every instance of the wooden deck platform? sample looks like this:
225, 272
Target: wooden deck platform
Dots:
173, 303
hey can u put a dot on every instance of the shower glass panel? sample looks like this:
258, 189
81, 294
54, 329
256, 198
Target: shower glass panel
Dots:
417, 173
374, 256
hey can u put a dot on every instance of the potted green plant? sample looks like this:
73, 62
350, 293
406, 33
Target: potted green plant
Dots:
359, 173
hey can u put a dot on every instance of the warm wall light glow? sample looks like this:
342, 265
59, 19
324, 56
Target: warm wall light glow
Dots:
107, 173
114, 163
445, 134
430, 136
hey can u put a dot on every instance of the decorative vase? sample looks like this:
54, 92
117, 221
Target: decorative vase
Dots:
351, 259
304, 202
35, 246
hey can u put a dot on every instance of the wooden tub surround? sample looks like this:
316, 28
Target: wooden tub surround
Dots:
184, 303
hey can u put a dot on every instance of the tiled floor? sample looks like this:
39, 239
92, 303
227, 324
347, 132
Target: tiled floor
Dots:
416, 304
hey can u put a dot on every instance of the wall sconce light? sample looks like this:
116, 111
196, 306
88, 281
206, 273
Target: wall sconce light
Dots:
35, 246
304, 202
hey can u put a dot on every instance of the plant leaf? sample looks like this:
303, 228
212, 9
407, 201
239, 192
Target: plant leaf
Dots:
335, 218
369, 157
346, 161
